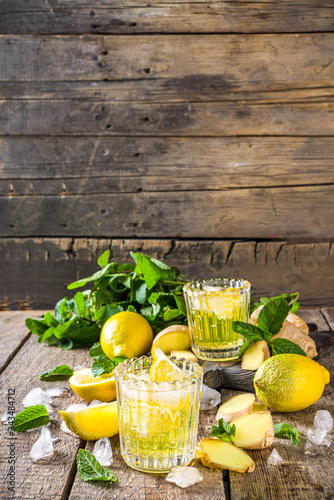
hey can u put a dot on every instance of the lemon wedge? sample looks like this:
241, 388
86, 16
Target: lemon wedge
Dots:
94, 422
88, 388
163, 369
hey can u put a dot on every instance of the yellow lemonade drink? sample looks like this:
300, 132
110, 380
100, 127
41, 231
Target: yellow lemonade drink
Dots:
212, 306
157, 420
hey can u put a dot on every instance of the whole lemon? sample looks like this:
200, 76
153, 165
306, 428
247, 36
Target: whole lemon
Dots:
126, 333
290, 382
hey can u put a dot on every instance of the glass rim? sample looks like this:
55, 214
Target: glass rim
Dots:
121, 373
196, 286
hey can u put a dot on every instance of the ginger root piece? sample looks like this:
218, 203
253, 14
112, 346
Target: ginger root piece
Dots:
187, 355
254, 355
236, 407
290, 332
296, 335
175, 337
298, 322
254, 431
260, 407
222, 455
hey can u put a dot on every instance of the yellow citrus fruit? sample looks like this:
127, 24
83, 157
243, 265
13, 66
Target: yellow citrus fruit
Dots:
290, 382
163, 369
93, 422
126, 333
88, 388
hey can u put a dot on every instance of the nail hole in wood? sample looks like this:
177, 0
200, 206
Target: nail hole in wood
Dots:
92, 13
108, 126
146, 119
147, 70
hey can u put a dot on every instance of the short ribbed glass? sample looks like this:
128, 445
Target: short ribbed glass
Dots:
157, 421
212, 306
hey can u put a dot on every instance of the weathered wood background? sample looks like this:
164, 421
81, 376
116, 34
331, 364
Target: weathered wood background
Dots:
200, 132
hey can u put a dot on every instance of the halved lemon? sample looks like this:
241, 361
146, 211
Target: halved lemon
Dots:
88, 388
93, 422
163, 369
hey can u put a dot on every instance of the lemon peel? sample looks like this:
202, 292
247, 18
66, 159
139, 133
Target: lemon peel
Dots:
88, 387
94, 422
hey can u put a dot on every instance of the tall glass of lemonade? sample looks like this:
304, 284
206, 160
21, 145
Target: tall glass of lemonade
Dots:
158, 419
212, 306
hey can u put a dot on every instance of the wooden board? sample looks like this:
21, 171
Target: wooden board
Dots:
13, 333
168, 16
100, 165
36, 271
247, 62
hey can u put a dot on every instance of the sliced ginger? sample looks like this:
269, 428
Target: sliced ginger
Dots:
260, 407
254, 431
254, 355
218, 454
236, 407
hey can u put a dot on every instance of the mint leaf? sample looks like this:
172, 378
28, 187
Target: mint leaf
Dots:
273, 314
58, 373
96, 350
95, 276
89, 469
119, 359
285, 430
36, 326
250, 332
66, 344
31, 417
103, 259
80, 303
283, 346
224, 431
102, 365
105, 312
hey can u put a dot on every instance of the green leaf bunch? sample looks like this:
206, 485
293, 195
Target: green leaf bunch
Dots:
223, 431
147, 286
270, 322
283, 430
290, 298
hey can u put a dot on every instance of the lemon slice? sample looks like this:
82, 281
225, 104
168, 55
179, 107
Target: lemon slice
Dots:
88, 388
93, 422
163, 369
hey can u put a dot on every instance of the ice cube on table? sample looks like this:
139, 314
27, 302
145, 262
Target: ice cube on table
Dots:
323, 421
210, 398
54, 392
38, 397
275, 458
103, 452
184, 476
43, 447
316, 436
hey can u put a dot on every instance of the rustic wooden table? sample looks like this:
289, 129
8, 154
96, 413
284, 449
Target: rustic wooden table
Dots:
22, 360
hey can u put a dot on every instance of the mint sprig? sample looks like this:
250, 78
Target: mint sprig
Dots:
30, 418
270, 321
102, 364
290, 298
283, 430
89, 469
223, 431
58, 373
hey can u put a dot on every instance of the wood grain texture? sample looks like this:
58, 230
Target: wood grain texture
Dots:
36, 271
74, 117
143, 486
37, 480
300, 476
165, 16
13, 333
101, 165
288, 212
329, 315
314, 317
247, 62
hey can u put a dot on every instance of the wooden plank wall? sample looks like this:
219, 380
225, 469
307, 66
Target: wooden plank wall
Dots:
200, 132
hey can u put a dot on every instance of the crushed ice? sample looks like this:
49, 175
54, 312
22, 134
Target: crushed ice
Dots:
103, 452
43, 447
54, 392
184, 476
275, 458
38, 397
316, 436
210, 366
210, 398
95, 402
